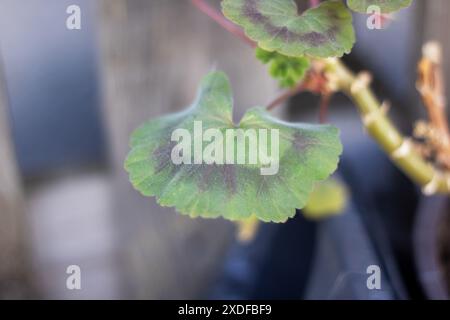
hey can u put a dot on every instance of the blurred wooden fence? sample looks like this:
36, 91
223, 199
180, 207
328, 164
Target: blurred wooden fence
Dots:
12, 244
153, 55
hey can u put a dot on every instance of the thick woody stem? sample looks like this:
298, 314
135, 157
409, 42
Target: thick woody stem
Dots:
400, 149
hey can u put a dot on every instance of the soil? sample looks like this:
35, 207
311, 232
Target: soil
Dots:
444, 247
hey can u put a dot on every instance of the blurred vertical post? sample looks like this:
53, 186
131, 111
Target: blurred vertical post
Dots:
12, 254
153, 55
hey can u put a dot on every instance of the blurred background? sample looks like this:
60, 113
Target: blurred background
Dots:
69, 100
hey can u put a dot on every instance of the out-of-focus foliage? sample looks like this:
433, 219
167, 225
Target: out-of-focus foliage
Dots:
328, 198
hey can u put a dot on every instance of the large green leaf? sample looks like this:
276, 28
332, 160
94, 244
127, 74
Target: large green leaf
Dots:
386, 6
307, 153
323, 31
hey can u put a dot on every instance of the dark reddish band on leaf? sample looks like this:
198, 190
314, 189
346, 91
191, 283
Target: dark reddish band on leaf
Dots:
323, 31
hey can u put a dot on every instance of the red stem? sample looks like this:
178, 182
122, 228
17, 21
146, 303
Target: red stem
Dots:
285, 96
217, 16
214, 14
323, 108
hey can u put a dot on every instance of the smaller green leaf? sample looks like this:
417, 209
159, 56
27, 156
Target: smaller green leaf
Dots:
328, 198
289, 71
386, 6
323, 31
265, 56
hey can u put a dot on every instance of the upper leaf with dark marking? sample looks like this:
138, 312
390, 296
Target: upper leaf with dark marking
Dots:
323, 31
385, 6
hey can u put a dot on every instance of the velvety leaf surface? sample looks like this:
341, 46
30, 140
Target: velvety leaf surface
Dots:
323, 31
307, 153
386, 6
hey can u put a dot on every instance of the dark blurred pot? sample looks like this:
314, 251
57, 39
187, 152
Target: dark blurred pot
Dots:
429, 243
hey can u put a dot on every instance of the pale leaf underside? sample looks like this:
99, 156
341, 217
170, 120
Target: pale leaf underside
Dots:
385, 6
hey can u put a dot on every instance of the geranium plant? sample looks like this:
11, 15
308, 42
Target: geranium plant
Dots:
302, 51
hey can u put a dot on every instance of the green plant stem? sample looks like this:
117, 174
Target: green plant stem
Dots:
385, 133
